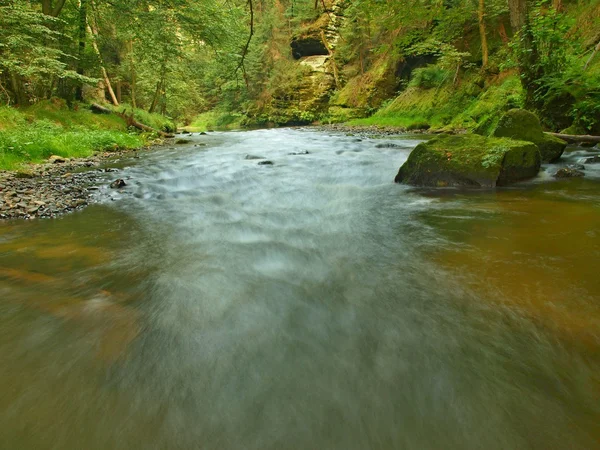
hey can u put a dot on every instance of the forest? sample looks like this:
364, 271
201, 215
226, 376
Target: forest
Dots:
299, 224
218, 64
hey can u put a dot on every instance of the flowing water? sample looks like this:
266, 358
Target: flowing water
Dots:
216, 303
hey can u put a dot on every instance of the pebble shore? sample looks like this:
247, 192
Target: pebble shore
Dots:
54, 188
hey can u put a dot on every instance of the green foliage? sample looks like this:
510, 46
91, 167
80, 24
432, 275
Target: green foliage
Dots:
154, 120
29, 50
429, 77
35, 134
215, 120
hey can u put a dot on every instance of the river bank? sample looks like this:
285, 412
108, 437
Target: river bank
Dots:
337, 301
54, 188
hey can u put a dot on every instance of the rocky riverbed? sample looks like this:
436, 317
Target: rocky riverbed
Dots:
54, 188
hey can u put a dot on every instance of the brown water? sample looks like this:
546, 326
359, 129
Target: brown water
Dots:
218, 304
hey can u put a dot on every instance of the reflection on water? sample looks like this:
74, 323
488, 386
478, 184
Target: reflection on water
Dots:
219, 304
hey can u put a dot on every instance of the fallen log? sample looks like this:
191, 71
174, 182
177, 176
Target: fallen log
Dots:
131, 122
98, 109
574, 138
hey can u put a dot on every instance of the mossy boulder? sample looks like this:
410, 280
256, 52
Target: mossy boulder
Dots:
525, 126
470, 160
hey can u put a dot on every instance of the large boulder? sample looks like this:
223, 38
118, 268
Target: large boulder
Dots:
525, 126
470, 160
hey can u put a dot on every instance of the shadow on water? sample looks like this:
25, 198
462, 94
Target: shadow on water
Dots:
218, 304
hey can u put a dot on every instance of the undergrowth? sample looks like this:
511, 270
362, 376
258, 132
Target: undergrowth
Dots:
33, 134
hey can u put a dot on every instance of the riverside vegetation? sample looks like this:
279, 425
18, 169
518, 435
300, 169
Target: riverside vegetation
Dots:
448, 66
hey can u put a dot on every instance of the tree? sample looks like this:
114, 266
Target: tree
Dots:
482, 34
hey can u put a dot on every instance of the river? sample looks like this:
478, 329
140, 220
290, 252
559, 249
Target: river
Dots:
215, 303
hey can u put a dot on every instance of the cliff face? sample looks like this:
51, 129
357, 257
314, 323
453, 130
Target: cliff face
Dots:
340, 60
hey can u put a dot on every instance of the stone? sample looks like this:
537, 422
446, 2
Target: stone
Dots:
118, 184
388, 145
593, 160
470, 160
523, 125
55, 159
265, 163
304, 152
182, 141
251, 157
567, 172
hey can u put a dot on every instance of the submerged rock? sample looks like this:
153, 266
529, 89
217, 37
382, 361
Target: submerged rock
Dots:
567, 172
469, 160
388, 145
265, 163
252, 157
593, 160
304, 152
525, 126
182, 141
118, 184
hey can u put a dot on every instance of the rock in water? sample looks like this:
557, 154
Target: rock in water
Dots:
593, 160
303, 152
525, 126
182, 141
265, 163
567, 172
118, 184
470, 160
254, 157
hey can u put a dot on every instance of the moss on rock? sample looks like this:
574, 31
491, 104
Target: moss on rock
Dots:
470, 160
524, 125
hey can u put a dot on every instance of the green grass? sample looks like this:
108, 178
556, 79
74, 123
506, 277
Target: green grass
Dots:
33, 134
448, 107
154, 120
216, 120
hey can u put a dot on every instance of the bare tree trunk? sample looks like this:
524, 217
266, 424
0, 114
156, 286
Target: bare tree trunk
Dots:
484, 45
332, 59
94, 33
502, 33
17, 87
557, 4
157, 94
81, 50
52, 10
119, 91
133, 74
518, 13
596, 50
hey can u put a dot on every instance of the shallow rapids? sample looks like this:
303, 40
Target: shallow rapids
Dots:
215, 303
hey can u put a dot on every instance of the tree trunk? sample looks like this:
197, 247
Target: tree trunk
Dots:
155, 98
518, 14
81, 50
484, 45
52, 10
133, 74
17, 88
557, 4
94, 33
99, 109
119, 91
332, 60
596, 50
502, 33
574, 138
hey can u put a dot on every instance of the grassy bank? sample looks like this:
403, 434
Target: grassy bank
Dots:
216, 120
470, 105
31, 135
